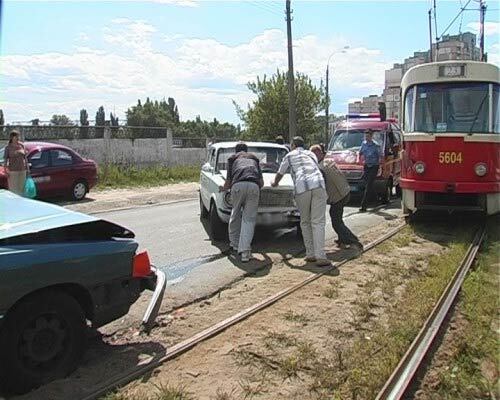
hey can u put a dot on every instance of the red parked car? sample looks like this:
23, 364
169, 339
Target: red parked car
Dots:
57, 170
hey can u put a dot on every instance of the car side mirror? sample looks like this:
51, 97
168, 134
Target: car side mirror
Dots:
207, 168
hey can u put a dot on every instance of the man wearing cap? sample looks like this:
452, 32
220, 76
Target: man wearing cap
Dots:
370, 150
310, 196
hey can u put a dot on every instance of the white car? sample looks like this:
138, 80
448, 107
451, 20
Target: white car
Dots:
277, 206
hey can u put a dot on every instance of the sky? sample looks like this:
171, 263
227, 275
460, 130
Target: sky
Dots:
57, 57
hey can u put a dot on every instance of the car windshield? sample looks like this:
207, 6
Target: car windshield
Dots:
270, 157
452, 107
351, 139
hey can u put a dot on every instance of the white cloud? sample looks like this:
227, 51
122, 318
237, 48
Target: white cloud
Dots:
180, 3
490, 28
203, 75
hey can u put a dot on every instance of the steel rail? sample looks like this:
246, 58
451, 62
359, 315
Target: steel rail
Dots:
187, 344
399, 383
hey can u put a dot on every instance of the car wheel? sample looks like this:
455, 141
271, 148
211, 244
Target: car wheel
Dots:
43, 339
79, 190
387, 194
218, 229
203, 209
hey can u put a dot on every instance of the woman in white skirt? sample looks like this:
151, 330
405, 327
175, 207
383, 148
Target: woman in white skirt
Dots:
16, 163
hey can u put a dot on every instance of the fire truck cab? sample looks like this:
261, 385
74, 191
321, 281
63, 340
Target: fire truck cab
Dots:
344, 150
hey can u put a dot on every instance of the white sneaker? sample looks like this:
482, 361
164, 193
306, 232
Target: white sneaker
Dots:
246, 256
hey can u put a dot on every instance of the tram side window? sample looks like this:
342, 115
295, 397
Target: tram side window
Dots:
408, 115
496, 108
452, 107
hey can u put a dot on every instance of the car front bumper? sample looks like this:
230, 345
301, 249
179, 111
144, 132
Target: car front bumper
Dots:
268, 218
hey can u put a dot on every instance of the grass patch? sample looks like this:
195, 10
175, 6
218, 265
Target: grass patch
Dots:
290, 316
161, 393
369, 362
115, 177
332, 291
473, 370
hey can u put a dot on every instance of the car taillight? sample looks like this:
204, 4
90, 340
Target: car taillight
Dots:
142, 265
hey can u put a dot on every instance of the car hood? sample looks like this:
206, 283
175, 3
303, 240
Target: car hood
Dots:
285, 183
21, 217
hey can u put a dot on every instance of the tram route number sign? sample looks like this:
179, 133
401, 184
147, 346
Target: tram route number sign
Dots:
450, 157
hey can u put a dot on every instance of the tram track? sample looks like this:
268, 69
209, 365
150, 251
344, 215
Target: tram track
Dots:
176, 350
400, 384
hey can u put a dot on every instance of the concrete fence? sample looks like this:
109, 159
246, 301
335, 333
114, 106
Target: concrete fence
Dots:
134, 152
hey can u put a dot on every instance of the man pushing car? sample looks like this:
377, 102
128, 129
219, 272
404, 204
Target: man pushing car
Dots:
244, 178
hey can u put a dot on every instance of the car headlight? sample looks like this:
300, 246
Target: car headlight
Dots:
227, 199
419, 167
480, 169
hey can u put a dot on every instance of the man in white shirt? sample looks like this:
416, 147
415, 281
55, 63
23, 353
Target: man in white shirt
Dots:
310, 196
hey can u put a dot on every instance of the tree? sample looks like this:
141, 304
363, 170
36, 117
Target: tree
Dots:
113, 120
84, 124
84, 117
35, 122
100, 121
2, 120
163, 113
60, 120
267, 116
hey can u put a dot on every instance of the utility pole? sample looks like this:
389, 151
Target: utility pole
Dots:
430, 34
327, 108
292, 116
436, 29
482, 12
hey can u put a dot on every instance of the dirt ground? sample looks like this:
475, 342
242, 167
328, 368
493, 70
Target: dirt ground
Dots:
112, 354
103, 200
271, 355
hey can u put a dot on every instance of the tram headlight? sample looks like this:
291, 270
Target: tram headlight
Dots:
480, 169
419, 167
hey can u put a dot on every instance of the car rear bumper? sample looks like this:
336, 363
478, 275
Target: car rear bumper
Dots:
156, 282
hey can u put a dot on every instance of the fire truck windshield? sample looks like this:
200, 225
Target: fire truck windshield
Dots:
452, 107
352, 139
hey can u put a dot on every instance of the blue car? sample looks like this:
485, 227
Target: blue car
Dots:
61, 272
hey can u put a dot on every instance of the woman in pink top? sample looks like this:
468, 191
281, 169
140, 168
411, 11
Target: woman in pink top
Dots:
16, 164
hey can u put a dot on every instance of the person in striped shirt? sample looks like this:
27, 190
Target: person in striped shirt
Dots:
310, 196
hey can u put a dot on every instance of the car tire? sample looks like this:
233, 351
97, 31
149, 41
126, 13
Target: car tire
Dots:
43, 339
79, 190
203, 210
218, 229
387, 194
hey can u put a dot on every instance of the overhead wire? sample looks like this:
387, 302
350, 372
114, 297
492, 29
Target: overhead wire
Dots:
260, 6
462, 9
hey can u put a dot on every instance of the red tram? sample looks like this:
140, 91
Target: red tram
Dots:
451, 137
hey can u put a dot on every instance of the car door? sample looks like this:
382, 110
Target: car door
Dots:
397, 154
39, 170
206, 178
61, 171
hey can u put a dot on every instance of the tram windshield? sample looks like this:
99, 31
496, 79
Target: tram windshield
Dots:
452, 107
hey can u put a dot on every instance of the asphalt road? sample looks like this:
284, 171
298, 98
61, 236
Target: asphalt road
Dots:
178, 242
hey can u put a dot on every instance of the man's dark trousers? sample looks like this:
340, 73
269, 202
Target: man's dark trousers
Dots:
336, 214
370, 176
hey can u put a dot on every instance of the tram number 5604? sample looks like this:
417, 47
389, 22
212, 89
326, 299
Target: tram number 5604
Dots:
450, 157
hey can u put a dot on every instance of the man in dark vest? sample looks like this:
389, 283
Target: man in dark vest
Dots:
244, 178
